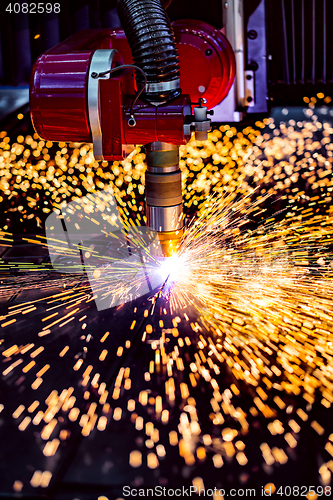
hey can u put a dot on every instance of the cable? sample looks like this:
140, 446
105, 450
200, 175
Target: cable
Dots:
152, 42
131, 121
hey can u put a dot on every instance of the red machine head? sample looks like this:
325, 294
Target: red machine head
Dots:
84, 90
68, 104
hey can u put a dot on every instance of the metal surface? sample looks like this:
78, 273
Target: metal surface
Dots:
257, 60
300, 49
168, 242
161, 146
58, 109
158, 146
63, 112
166, 170
163, 86
250, 89
157, 123
100, 61
285, 42
226, 111
165, 218
164, 207
231, 109
200, 123
234, 31
163, 189
207, 61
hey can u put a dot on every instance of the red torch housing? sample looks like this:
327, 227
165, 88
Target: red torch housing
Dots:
63, 110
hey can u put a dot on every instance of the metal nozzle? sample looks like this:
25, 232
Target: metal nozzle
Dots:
169, 242
164, 202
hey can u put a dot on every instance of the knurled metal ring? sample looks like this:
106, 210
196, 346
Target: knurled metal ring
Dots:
162, 86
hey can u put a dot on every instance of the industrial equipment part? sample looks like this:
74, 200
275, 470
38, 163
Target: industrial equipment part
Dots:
83, 90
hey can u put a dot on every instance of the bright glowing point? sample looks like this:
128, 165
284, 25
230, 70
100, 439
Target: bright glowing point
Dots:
173, 268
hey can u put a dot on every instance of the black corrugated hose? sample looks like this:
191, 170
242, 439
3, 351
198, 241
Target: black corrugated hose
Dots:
152, 42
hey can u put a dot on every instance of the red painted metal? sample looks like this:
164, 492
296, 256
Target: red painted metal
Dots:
206, 60
170, 120
58, 90
58, 87
58, 96
157, 123
112, 119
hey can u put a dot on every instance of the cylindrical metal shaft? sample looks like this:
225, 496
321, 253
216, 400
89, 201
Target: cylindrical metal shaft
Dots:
164, 202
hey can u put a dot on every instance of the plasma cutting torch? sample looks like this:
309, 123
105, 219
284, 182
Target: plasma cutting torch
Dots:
83, 91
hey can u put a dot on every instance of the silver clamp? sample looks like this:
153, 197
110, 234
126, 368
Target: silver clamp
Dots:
201, 123
101, 61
